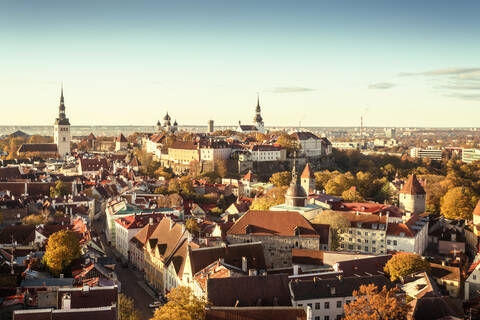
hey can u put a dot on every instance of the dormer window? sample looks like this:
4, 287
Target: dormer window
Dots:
296, 231
248, 229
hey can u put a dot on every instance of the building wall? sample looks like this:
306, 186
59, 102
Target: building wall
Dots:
412, 202
267, 155
61, 137
277, 250
183, 156
363, 240
319, 308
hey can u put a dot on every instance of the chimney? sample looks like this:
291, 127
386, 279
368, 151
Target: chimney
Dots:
171, 223
85, 290
309, 313
332, 290
244, 264
295, 269
150, 221
66, 301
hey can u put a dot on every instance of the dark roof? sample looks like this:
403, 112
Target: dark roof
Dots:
121, 138
93, 164
48, 282
232, 254
334, 287
10, 173
89, 297
102, 313
188, 145
255, 313
248, 127
38, 147
91, 136
370, 265
436, 308
304, 135
307, 256
22, 234
249, 291
412, 186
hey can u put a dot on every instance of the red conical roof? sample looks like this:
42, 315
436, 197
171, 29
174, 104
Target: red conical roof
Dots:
307, 173
476, 211
412, 186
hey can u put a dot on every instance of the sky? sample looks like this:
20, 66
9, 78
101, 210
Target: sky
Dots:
314, 63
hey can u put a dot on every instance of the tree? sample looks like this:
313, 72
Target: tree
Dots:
165, 173
126, 308
273, 197
181, 305
192, 226
281, 179
221, 168
288, 142
337, 222
352, 195
61, 189
403, 264
371, 304
458, 203
340, 183
186, 185
34, 219
62, 248
194, 169
174, 186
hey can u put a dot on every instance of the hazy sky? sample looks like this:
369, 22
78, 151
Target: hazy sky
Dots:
324, 63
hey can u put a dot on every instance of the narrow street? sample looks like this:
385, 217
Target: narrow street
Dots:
128, 278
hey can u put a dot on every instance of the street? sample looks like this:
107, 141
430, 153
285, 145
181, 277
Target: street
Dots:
128, 278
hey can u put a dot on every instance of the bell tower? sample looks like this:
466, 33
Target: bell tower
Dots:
61, 128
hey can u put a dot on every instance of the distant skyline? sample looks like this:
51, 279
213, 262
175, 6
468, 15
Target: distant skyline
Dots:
321, 63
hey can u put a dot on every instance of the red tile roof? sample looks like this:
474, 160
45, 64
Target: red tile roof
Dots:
412, 186
273, 223
476, 211
307, 173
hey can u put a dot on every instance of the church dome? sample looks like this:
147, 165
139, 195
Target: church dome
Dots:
295, 191
167, 117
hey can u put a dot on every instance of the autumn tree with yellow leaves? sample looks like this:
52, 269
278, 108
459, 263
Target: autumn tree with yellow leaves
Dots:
62, 248
402, 264
181, 305
372, 304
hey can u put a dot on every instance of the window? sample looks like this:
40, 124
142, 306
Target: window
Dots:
339, 317
350, 246
474, 277
300, 305
317, 318
342, 246
359, 247
339, 303
394, 242
374, 249
309, 305
366, 248
366, 241
350, 232
366, 233
327, 305
359, 233
347, 302
350, 239
359, 240
389, 242
326, 318
373, 241
317, 306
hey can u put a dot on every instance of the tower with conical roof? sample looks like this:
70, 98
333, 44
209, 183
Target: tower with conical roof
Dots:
412, 197
258, 120
61, 128
307, 180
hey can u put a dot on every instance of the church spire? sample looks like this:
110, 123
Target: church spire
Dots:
61, 111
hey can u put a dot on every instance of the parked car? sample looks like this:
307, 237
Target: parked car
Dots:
155, 304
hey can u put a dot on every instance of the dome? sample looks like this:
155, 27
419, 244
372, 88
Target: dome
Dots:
158, 123
167, 117
295, 191
257, 118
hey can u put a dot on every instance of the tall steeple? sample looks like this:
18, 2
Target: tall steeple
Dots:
258, 120
61, 111
61, 135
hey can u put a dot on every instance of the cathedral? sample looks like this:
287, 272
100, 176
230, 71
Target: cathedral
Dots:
257, 120
167, 125
61, 129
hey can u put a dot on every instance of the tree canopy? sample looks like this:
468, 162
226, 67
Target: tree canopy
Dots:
273, 197
61, 189
372, 304
62, 248
337, 222
281, 179
458, 203
181, 305
126, 308
403, 264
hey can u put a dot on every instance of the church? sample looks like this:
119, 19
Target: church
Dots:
167, 125
257, 120
61, 137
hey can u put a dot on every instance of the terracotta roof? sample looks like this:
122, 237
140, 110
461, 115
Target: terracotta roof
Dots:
250, 177
184, 145
138, 221
307, 173
166, 237
22, 234
307, 256
412, 186
273, 223
91, 136
364, 266
436, 308
93, 164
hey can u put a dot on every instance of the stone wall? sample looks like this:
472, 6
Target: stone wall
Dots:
278, 250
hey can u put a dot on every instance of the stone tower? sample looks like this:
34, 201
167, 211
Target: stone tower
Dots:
61, 128
307, 180
412, 197
258, 120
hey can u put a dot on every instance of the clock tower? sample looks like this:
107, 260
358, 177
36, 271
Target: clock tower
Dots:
61, 127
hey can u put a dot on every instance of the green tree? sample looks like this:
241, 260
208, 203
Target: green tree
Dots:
181, 305
403, 264
62, 248
186, 185
61, 189
34, 219
340, 183
458, 203
281, 179
126, 308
